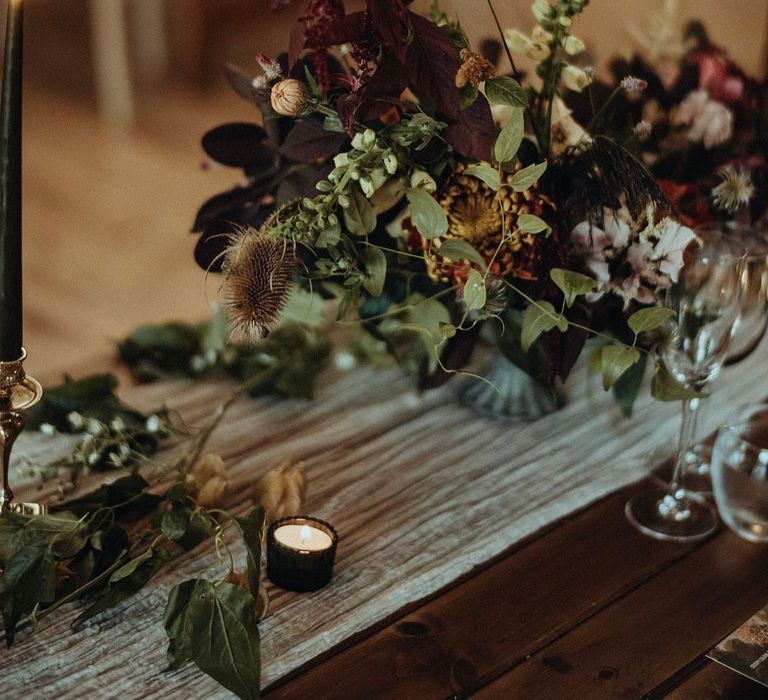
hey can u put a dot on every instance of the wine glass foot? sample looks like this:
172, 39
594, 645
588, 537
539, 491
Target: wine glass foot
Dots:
684, 518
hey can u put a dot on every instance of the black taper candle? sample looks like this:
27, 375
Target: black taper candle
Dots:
10, 186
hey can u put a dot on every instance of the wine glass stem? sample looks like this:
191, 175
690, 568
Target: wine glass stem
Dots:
687, 436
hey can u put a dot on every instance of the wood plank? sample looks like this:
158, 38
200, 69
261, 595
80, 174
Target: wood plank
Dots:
631, 647
474, 632
712, 681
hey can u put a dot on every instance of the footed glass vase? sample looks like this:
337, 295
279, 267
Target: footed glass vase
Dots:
510, 394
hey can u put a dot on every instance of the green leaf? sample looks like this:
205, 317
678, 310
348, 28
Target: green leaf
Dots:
530, 223
627, 387
510, 137
535, 362
126, 494
375, 261
572, 284
359, 217
524, 179
615, 360
186, 526
486, 173
474, 290
650, 318
125, 583
455, 249
540, 318
29, 580
505, 91
467, 95
349, 301
252, 530
665, 387
448, 330
428, 216
216, 627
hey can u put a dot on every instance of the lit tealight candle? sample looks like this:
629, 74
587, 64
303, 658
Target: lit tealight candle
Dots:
303, 537
300, 553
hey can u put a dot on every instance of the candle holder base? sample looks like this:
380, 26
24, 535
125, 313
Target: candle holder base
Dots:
17, 393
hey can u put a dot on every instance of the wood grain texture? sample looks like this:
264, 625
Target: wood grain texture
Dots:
684, 610
715, 682
421, 490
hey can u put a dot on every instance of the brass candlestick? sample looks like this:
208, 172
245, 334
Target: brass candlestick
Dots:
18, 391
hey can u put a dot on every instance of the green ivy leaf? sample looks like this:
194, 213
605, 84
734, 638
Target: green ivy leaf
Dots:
627, 387
485, 173
216, 627
572, 284
375, 261
252, 531
349, 301
29, 580
505, 91
648, 319
428, 216
510, 137
124, 583
530, 223
186, 526
615, 360
474, 290
524, 179
455, 249
665, 386
540, 318
359, 217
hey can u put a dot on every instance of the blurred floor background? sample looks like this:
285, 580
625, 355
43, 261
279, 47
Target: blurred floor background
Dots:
118, 93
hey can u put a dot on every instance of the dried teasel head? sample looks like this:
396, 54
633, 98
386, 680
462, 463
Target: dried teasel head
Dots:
259, 277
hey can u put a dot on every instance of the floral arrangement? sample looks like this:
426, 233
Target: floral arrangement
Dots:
399, 174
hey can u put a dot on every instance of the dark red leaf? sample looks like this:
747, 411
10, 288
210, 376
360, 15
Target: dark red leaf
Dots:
223, 207
308, 140
390, 21
432, 65
384, 87
472, 132
238, 145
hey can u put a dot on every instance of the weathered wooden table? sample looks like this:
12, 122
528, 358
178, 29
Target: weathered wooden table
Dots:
476, 557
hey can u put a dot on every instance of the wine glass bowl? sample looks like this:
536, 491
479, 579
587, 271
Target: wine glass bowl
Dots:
740, 474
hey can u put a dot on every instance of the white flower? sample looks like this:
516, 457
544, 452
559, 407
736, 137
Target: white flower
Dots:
93, 426
668, 252
735, 190
631, 83
642, 129
47, 429
710, 122
574, 78
566, 131
75, 420
117, 424
259, 82
423, 180
345, 361
154, 423
573, 45
270, 67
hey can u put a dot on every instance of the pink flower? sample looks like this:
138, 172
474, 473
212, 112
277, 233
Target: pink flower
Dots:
674, 238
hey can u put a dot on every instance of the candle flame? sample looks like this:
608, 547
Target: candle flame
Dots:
305, 534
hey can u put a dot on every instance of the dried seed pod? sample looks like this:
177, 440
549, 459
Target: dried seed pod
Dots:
207, 481
281, 491
288, 97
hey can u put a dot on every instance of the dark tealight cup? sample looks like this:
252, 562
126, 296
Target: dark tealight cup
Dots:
300, 553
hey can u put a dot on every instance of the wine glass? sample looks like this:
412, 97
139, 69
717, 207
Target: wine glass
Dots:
747, 334
706, 300
740, 473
